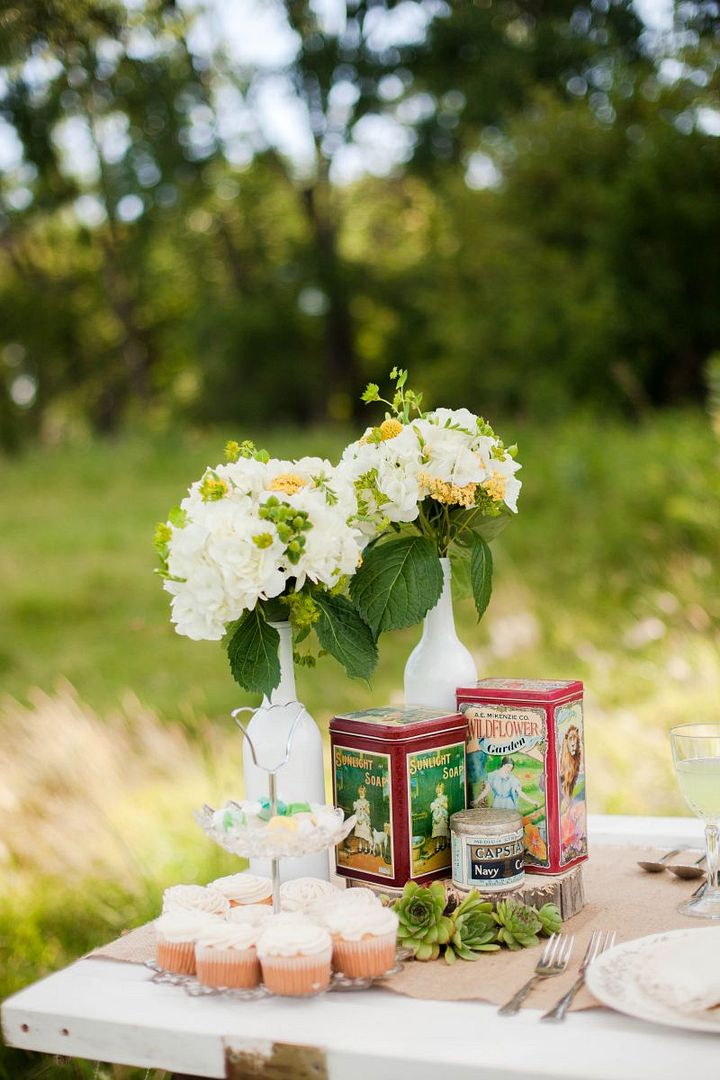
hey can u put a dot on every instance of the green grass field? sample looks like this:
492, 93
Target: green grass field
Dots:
113, 727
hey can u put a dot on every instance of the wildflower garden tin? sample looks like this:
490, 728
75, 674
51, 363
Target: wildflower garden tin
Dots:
401, 772
525, 752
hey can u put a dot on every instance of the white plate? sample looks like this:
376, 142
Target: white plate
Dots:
665, 978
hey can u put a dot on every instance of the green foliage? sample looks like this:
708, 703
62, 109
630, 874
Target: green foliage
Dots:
397, 584
252, 649
342, 633
481, 571
550, 918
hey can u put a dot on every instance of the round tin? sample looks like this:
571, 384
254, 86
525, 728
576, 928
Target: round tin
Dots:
488, 852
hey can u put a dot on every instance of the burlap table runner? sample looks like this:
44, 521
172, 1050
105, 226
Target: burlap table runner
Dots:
620, 897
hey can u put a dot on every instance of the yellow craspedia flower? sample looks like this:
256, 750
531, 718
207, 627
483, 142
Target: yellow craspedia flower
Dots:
495, 487
450, 494
288, 483
389, 429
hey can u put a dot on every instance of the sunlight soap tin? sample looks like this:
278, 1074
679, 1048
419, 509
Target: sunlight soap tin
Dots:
525, 752
401, 771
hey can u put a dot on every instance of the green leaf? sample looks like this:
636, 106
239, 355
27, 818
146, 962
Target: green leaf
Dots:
343, 633
397, 584
253, 653
481, 571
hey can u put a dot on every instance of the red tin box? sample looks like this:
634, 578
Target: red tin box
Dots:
401, 771
525, 751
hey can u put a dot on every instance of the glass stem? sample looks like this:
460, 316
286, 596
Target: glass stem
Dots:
712, 847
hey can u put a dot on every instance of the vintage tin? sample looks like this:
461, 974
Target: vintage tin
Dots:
488, 850
401, 770
525, 752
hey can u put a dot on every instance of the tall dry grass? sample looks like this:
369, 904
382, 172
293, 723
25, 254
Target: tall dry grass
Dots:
85, 796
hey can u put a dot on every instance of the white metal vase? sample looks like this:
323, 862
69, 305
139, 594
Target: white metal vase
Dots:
439, 663
302, 778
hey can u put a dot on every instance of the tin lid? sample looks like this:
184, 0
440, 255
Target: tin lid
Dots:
485, 822
544, 690
397, 722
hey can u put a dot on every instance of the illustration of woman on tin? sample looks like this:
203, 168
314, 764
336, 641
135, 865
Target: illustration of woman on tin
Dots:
363, 825
440, 818
506, 789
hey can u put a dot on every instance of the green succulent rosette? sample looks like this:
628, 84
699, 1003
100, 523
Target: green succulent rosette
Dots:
519, 925
551, 919
423, 926
474, 930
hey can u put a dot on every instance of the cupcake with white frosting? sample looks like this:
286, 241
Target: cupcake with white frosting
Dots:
195, 898
364, 938
225, 956
249, 914
300, 893
324, 907
175, 935
243, 889
295, 956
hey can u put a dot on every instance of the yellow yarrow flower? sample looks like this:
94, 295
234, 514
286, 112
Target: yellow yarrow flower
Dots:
389, 429
495, 487
288, 483
450, 494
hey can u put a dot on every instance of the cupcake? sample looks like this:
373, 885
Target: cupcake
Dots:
195, 898
295, 956
175, 935
364, 938
299, 894
225, 956
249, 914
343, 898
243, 889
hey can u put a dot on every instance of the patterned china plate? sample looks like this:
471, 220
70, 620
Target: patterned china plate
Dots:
671, 978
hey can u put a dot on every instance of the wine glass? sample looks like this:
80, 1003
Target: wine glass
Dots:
696, 753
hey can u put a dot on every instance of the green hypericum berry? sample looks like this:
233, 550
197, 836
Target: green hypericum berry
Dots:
519, 925
474, 930
551, 919
422, 925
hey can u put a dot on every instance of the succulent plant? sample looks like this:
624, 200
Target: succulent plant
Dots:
519, 925
474, 930
423, 925
551, 919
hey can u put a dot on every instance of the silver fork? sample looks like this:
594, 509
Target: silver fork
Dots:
599, 942
553, 960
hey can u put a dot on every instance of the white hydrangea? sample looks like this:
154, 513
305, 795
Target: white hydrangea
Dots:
449, 455
384, 467
228, 550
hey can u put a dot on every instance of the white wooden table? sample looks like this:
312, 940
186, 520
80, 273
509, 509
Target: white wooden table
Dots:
109, 1011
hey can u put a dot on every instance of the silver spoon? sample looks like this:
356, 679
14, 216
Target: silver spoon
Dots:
687, 872
656, 867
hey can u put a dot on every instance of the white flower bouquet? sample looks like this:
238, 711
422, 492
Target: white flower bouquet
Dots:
428, 486
258, 540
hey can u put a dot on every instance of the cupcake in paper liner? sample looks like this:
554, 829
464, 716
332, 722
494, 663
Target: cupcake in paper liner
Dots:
243, 888
200, 898
325, 906
300, 893
295, 956
225, 956
175, 935
364, 939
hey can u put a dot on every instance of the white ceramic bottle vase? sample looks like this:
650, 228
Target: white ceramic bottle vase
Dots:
439, 663
302, 779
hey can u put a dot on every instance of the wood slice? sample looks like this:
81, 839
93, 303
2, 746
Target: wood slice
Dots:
566, 890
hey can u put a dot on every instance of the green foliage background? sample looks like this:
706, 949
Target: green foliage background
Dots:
543, 249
